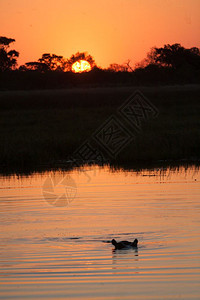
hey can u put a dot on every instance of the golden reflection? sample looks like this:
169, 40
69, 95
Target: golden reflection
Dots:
40, 241
125, 259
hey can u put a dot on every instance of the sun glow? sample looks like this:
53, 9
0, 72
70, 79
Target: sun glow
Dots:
81, 66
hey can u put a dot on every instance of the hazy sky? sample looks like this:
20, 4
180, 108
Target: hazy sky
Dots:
109, 30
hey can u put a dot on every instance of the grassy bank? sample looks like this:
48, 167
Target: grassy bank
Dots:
43, 127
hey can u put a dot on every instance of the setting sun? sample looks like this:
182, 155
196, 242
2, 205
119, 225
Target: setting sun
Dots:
81, 66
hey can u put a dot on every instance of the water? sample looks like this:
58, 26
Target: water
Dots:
56, 230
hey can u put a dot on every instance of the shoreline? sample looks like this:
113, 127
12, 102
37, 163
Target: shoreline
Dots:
62, 167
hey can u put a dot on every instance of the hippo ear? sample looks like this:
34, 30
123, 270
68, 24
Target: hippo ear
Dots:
135, 242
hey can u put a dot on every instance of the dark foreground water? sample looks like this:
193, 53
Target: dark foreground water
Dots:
56, 228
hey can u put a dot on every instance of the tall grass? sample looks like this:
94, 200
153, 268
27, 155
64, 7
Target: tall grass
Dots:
43, 127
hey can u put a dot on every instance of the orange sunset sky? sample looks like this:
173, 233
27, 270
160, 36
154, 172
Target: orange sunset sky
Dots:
110, 30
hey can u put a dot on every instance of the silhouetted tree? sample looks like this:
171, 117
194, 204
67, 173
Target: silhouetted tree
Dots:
8, 59
80, 56
53, 62
129, 68
174, 56
48, 62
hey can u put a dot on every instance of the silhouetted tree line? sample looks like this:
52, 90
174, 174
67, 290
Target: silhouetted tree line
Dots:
53, 62
8, 58
166, 65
